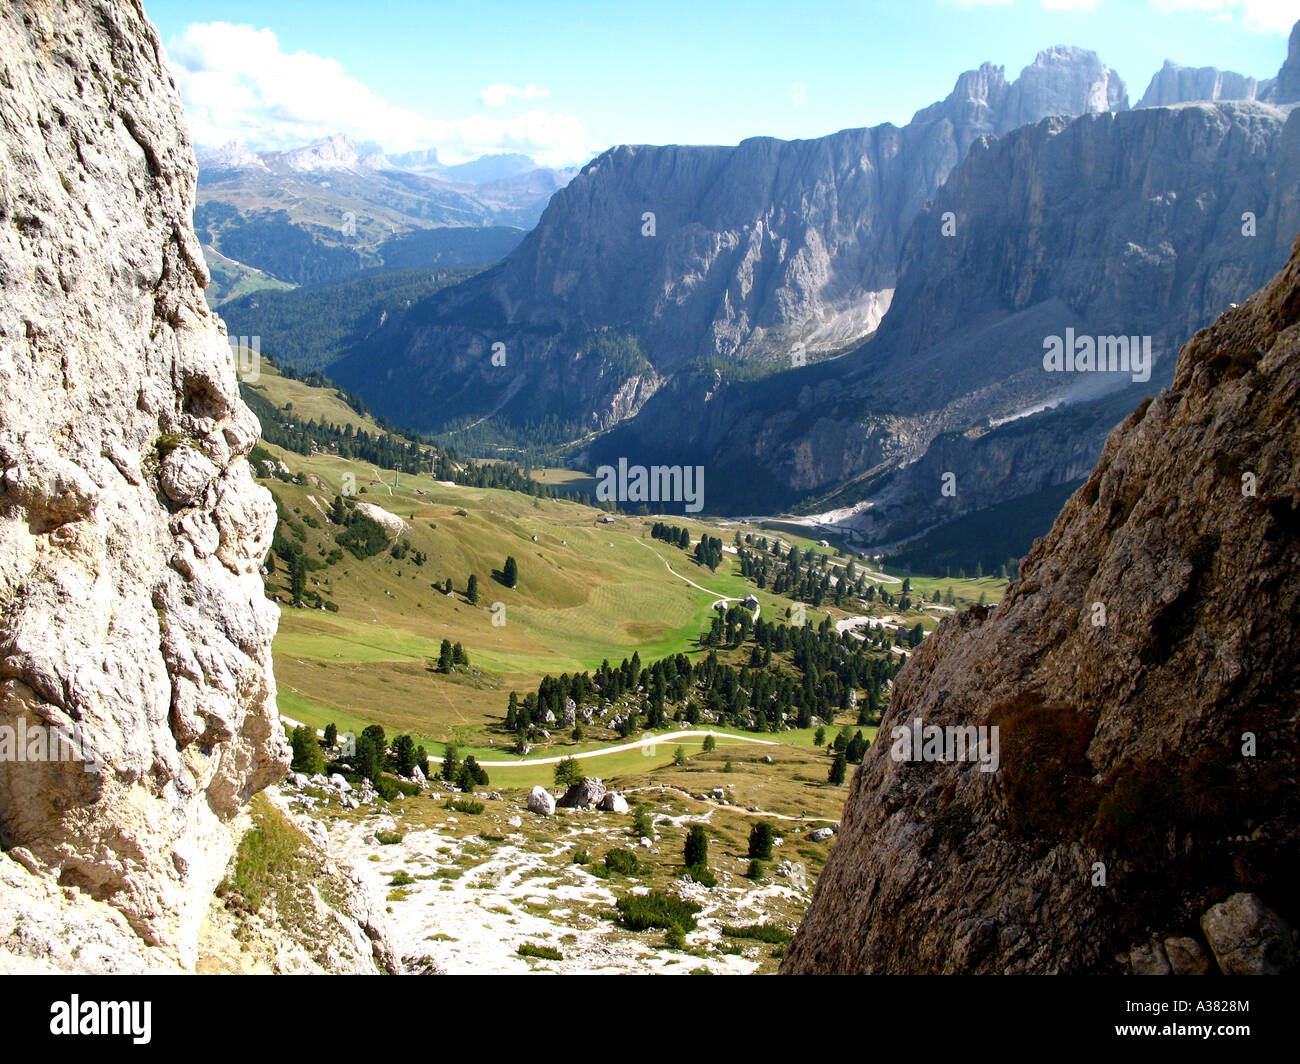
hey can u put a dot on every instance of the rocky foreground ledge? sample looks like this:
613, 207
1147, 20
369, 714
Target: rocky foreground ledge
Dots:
132, 615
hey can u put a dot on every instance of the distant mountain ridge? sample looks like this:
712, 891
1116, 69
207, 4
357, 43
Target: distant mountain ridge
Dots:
696, 253
325, 211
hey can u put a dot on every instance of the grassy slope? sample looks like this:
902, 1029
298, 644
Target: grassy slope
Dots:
588, 591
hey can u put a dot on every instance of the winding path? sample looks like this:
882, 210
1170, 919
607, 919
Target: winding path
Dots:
720, 597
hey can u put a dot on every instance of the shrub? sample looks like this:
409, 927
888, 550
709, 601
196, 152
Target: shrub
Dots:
760, 841
700, 874
623, 862
401, 879
640, 912
546, 953
755, 870
388, 838
581, 856
675, 938
465, 805
567, 772
768, 933
643, 825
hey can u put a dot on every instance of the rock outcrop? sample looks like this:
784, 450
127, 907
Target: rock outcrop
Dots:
1174, 84
1142, 679
132, 614
586, 794
1285, 88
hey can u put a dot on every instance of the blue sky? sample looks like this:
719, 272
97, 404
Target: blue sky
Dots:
563, 81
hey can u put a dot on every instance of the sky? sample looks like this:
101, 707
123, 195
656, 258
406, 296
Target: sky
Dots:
563, 81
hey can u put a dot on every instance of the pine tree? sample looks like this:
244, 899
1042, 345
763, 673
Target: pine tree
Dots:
760, 841
511, 573
839, 768
471, 590
307, 756
696, 852
446, 657
450, 763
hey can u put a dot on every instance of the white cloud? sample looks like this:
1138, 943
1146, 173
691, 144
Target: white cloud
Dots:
499, 93
1257, 16
239, 85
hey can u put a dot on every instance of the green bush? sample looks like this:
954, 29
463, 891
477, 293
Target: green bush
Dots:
768, 933
623, 862
465, 805
696, 851
640, 912
307, 754
700, 874
546, 953
755, 870
388, 838
401, 879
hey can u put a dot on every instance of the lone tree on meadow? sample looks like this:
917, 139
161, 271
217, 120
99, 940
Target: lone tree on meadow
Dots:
471, 590
760, 841
839, 767
696, 853
510, 573
567, 772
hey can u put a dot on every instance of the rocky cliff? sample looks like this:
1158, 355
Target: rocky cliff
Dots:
1146, 223
699, 253
137, 701
1174, 84
1141, 676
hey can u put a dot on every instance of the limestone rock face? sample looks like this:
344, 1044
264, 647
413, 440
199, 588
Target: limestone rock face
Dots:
132, 614
1142, 675
1173, 84
1125, 224
1285, 88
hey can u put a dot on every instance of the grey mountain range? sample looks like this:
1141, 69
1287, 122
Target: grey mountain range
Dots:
1063, 209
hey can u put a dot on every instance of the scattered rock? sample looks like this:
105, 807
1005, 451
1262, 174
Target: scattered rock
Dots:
541, 802
1186, 956
1248, 938
613, 803
584, 795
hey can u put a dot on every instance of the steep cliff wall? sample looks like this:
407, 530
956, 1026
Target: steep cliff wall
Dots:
1142, 675
132, 614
